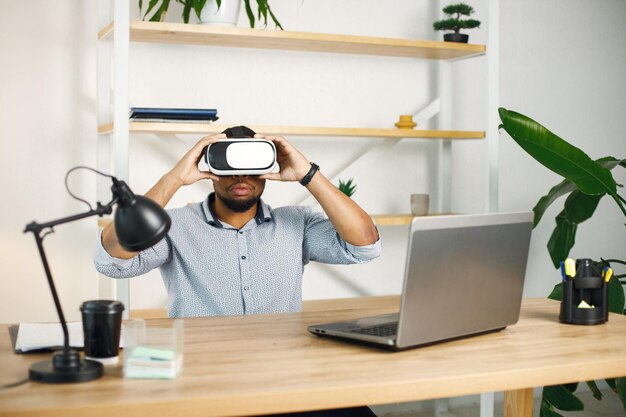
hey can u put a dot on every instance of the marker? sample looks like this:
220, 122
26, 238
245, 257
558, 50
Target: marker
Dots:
563, 276
608, 274
570, 267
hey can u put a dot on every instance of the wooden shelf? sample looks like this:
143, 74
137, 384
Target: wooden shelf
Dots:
181, 33
206, 128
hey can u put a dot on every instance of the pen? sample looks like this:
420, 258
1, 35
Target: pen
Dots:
563, 276
608, 273
570, 267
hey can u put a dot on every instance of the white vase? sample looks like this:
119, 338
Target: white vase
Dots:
226, 15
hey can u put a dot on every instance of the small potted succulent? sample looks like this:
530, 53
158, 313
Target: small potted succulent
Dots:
454, 22
347, 187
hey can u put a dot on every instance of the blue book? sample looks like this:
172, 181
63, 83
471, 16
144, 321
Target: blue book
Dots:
142, 113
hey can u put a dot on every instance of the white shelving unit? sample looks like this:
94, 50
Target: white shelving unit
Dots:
113, 99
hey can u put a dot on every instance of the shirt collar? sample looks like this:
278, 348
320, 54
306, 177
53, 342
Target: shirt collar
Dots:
263, 213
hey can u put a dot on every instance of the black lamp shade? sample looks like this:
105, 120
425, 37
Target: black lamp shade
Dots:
140, 223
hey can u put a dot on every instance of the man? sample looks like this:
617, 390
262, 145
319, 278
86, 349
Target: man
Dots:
234, 254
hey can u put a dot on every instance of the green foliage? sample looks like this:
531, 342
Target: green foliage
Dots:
455, 24
454, 21
159, 14
347, 187
263, 10
458, 9
586, 181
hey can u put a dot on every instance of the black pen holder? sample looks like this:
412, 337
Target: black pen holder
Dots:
587, 286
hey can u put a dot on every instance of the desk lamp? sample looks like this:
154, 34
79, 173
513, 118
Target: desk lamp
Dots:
139, 223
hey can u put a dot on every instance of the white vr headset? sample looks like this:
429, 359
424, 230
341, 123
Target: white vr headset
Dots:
241, 156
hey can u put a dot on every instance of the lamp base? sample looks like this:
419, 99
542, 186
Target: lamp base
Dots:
65, 367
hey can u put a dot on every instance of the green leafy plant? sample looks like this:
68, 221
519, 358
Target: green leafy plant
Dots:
454, 22
159, 14
586, 181
263, 10
347, 187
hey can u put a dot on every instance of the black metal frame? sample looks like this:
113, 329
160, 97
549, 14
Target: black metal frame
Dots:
66, 365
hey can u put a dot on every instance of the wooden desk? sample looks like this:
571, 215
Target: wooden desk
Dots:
268, 364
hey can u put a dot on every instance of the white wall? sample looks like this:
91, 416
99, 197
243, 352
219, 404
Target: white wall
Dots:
559, 64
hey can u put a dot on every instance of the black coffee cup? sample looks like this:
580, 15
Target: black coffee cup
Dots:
102, 326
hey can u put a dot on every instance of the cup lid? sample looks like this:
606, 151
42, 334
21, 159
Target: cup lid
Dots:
102, 306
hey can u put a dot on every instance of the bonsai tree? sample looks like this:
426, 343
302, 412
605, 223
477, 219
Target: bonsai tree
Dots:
347, 187
263, 9
454, 22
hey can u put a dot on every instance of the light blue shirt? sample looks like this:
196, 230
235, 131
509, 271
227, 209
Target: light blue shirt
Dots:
210, 268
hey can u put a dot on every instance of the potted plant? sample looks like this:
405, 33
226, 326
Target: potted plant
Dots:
586, 181
347, 187
225, 12
454, 22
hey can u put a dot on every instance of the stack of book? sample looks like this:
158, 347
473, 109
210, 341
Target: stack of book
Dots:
158, 114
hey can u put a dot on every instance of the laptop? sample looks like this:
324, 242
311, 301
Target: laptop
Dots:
464, 276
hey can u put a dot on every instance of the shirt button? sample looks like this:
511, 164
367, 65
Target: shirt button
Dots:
246, 288
241, 232
243, 257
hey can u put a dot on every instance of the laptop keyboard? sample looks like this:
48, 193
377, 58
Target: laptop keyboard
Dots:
382, 330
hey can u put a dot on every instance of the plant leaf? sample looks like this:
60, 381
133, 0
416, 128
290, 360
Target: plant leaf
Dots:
562, 240
547, 410
616, 296
249, 13
186, 11
159, 15
262, 10
566, 186
620, 384
557, 292
578, 208
276, 22
557, 155
198, 5
561, 398
597, 394
571, 387
611, 383
150, 7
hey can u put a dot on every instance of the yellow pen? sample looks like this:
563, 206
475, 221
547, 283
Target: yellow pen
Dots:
608, 274
570, 267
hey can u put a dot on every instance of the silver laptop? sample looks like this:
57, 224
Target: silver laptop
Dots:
464, 276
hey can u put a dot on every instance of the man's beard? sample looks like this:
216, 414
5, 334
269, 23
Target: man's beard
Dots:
238, 206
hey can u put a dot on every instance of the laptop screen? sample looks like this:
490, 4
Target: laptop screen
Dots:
464, 275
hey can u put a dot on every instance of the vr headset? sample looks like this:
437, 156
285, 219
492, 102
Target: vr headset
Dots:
240, 154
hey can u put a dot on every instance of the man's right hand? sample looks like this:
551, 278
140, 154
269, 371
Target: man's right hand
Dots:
185, 172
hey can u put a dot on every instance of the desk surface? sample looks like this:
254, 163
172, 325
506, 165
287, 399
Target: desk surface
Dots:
270, 363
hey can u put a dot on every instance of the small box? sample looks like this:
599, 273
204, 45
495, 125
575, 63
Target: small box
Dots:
153, 352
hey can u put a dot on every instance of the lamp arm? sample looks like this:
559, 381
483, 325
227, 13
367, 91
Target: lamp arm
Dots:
36, 229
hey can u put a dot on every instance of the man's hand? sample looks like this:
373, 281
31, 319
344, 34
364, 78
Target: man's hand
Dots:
186, 171
293, 165
349, 220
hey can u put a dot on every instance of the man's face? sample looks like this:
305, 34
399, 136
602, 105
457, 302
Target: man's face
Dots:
239, 192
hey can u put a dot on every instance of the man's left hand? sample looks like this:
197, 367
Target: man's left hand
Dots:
293, 165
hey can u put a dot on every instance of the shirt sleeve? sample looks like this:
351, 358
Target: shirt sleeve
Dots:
143, 262
323, 244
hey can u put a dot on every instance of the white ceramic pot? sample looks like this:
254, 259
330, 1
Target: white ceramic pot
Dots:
226, 15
